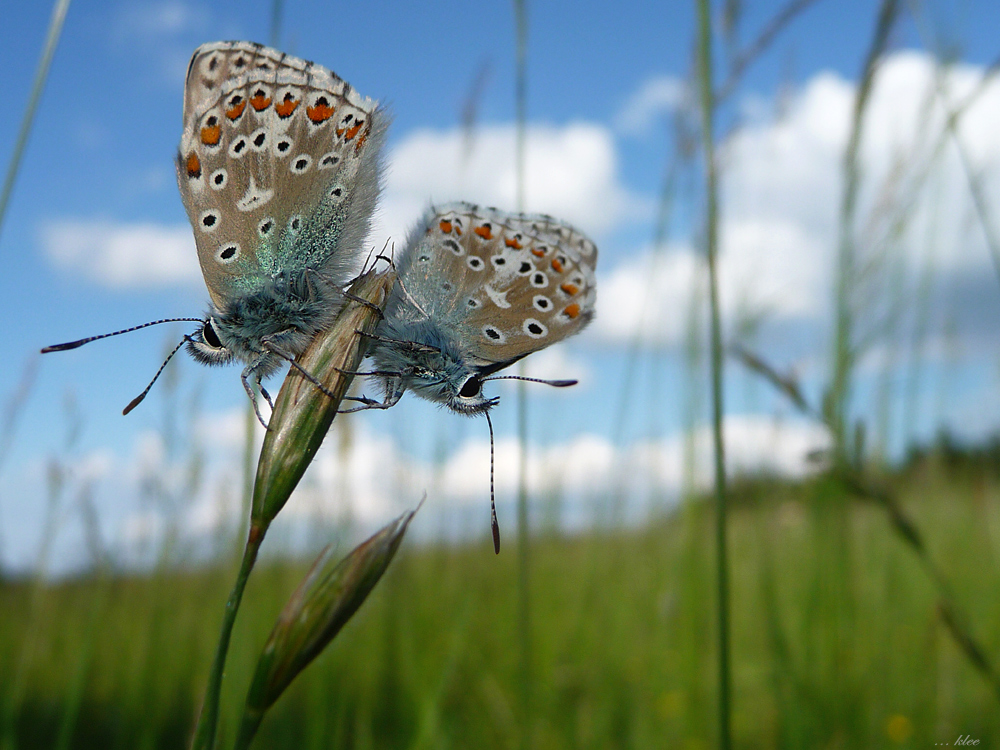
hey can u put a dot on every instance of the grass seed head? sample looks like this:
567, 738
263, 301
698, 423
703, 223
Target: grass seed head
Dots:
302, 412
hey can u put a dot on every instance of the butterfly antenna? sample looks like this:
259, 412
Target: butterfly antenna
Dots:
553, 383
74, 344
493, 504
138, 399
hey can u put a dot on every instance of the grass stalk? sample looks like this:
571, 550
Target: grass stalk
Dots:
523, 528
277, 7
979, 199
204, 736
11, 418
638, 338
41, 76
101, 558
745, 58
846, 270
711, 250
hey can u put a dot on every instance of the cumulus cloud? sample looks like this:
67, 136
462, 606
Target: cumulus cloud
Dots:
781, 187
766, 265
160, 18
366, 475
572, 173
654, 99
123, 255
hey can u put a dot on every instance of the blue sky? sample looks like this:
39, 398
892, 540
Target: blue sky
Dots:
96, 238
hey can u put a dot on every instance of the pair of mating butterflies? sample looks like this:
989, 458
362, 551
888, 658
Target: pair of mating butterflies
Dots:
279, 168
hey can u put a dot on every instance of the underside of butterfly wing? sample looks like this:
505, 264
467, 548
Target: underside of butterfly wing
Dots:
279, 169
497, 285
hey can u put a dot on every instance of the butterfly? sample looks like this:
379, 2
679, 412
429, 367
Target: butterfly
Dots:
279, 168
479, 289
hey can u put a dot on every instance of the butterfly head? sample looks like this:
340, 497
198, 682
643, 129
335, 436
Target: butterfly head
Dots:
206, 346
451, 383
469, 398
437, 373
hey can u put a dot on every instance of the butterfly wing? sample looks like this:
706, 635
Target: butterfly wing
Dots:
497, 285
279, 167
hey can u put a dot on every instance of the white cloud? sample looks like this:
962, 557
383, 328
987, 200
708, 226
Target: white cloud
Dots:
650, 291
365, 474
123, 255
654, 99
572, 173
791, 168
781, 192
764, 265
157, 19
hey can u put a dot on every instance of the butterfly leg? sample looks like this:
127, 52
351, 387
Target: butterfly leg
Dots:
361, 301
393, 392
266, 395
245, 377
368, 403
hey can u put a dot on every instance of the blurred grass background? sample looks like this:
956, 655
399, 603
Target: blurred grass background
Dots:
849, 628
837, 641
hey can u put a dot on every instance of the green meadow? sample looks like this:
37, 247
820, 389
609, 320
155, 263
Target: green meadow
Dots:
837, 636
863, 600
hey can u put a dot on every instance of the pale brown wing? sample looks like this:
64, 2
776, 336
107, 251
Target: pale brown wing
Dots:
501, 285
278, 167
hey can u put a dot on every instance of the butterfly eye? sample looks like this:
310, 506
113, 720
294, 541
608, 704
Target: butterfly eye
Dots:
210, 337
471, 387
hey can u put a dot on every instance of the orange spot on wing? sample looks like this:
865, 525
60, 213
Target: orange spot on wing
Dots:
570, 289
512, 242
557, 266
445, 226
210, 136
319, 113
353, 131
193, 165
538, 253
572, 310
234, 112
286, 107
260, 102
484, 232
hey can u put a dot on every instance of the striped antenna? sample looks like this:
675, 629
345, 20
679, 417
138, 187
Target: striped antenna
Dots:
138, 399
494, 526
553, 383
74, 344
